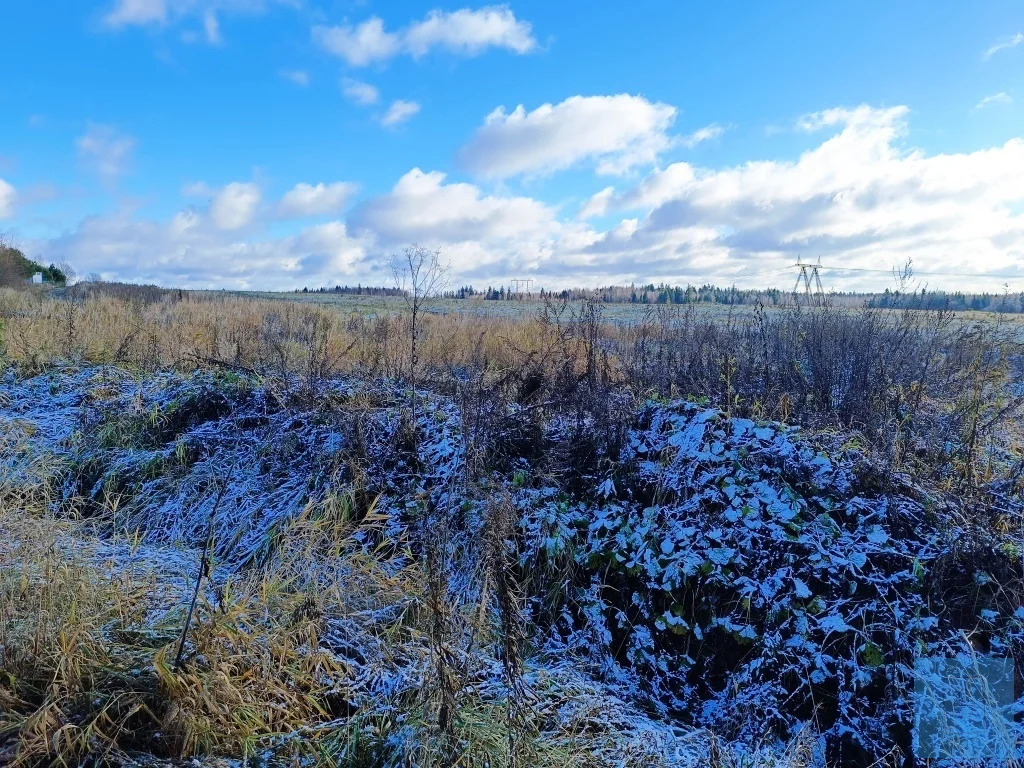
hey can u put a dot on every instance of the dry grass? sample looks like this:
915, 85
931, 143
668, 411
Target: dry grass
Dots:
67, 686
256, 670
181, 330
907, 380
89, 627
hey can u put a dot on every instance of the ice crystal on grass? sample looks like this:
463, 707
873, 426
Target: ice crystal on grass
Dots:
707, 586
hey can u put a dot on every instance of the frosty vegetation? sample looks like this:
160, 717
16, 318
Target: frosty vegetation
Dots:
601, 550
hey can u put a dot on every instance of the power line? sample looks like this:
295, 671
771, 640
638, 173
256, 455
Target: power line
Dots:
1019, 276
783, 271
812, 268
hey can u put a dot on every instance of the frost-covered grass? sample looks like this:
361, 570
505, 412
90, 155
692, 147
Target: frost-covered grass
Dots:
89, 637
315, 646
929, 390
552, 559
275, 670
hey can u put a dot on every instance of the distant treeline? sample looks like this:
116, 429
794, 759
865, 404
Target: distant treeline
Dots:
355, 290
713, 294
648, 294
981, 302
632, 294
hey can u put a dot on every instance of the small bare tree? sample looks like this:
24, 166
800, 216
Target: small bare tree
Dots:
420, 275
69, 272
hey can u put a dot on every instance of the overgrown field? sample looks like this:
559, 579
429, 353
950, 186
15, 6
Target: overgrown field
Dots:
233, 529
516, 308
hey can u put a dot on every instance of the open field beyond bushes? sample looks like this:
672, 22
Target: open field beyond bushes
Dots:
241, 529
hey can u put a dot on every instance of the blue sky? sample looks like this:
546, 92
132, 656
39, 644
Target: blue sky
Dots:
281, 143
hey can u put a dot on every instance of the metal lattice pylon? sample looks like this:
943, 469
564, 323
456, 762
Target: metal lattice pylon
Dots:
519, 281
807, 274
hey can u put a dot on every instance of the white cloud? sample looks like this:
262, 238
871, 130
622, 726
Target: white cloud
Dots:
204, 13
185, 221
469, 33
1010, 42
597, 205
339, 254
658, 187
617, 132
359, 92
858, 199
483, 236
707, 133
185, 252
211, 27
477, 232
7, 195
137, 12
297, 76
399, 111
105, 150
464, 32
315, 200
996, 98
235, 205
361, 45
885, 123
423, 208
858, 196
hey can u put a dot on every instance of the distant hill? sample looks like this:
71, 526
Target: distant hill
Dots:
16, 268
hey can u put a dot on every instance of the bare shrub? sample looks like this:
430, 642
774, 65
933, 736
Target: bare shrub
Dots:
925, 387
419, 275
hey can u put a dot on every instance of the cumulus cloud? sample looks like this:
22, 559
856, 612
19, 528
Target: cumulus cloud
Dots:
484, 237
234, 206
360, 45
617, 133
597, 204
469, 33
7, 195
1002, 45
421, 207
656, 188
315, 200
858, 196
481, 235
359, 92
399, 111
105, 150
858, 199
186, 252
463, 32
996, 98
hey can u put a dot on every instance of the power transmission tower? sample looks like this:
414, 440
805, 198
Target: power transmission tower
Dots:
518, 281
807, 274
